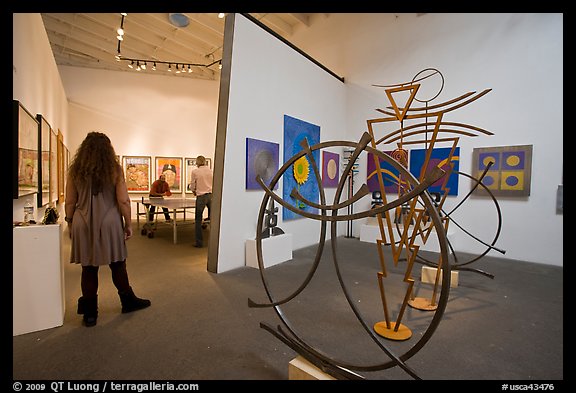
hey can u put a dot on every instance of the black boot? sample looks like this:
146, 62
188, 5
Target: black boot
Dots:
132, 303
88, 307
81, 305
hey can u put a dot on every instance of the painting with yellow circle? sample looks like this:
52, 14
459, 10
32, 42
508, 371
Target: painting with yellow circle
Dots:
505, 170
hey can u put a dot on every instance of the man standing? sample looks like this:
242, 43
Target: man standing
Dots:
201, 186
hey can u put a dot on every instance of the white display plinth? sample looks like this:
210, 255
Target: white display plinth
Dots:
428, 276
369, 233
275, 250
38, 278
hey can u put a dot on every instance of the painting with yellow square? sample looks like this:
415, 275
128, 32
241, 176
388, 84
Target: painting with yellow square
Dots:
512, 180
508, 170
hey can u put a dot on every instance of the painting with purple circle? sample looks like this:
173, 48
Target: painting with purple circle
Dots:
330, 169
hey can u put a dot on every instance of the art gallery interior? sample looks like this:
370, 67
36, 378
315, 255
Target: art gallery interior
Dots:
496, 79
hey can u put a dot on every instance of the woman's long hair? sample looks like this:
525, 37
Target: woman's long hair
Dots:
95, 163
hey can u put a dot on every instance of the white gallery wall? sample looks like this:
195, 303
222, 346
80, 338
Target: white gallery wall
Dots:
518, 56
144, 115
268, 80
38, 88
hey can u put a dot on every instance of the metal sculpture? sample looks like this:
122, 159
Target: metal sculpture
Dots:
419, 133
422, 215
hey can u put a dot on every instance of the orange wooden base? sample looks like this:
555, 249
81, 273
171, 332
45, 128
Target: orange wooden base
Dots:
421, 303
403, 332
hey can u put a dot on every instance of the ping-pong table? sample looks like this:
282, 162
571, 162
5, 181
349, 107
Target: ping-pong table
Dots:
174, 205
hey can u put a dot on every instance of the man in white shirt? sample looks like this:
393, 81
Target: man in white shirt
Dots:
201, 186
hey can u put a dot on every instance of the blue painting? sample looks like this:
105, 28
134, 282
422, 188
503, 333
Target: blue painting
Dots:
300, 175
261, 159
439, 158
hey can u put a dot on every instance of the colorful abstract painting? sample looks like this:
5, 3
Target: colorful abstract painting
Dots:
261, 159
300, 175
330, 169
390, 175
439, 158
510, 173
25, 138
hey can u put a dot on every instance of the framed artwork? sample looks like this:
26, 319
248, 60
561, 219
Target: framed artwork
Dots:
137, 171
390, 175
44, 131
300, 175
190, 164
439, 157
66, 162
53, 166
261, 159
330, 169
25, 156
61, 166
171, 167
510, 173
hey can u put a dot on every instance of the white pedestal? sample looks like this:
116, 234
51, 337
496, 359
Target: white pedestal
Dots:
428, 276
38, 278
369, 233
275, 250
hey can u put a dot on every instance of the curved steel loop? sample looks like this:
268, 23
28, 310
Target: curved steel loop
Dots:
306, 150
418, 191
489, 246
411, 82
428, 76
362, 192
433, 175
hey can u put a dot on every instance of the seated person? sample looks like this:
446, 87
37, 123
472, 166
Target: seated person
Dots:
160, 188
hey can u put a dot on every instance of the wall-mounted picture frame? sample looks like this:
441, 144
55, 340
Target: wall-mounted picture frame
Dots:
262, 159
61, 166
66, 161
53, 166
330, 169
171, 167
300, 175
189, 165
25, 156
44, 131
137, 171
440, 157
390, 175
510, 173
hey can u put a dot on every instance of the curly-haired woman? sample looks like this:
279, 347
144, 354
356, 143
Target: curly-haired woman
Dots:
98, 213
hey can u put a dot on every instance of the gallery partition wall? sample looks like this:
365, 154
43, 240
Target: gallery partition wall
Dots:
265, 82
